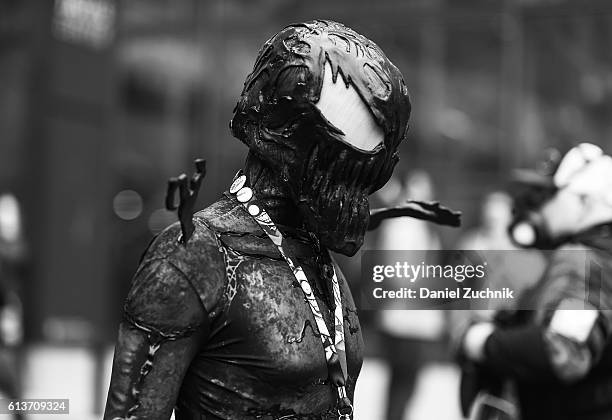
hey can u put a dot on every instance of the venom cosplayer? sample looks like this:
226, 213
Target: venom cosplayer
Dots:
249, 317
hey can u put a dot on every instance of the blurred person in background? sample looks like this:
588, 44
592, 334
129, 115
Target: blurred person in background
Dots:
491, 236
412, 338
12, 255
492, 232
233, 320
557, 354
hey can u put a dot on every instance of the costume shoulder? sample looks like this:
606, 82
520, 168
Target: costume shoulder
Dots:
228, 216
237, 231
178, 285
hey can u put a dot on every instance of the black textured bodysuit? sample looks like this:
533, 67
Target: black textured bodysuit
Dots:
217, 326
255, 354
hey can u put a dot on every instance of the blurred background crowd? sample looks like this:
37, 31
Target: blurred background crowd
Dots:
101, 101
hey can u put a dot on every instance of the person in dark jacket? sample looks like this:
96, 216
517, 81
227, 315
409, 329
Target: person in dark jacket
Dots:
558, 353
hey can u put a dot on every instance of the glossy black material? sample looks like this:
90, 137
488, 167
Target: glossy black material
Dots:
188, 190
220, 327
216, 325
430, 211
277, 118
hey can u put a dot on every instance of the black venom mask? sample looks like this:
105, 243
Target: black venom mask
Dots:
325, 110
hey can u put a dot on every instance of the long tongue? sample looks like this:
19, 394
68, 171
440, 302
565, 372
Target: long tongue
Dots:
430, 211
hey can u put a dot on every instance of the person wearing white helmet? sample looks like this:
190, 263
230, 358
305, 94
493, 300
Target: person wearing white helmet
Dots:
557, 352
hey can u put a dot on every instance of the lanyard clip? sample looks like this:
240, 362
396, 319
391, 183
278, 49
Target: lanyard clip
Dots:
345, 408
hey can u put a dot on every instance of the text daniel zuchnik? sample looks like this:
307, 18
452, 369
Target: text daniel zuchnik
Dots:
456, 293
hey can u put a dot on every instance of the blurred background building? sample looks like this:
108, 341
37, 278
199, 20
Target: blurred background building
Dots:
102, 100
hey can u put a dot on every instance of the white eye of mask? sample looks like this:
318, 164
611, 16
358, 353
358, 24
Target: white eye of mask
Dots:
343, 107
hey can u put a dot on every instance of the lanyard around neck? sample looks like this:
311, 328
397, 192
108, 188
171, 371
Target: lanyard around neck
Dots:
335, 352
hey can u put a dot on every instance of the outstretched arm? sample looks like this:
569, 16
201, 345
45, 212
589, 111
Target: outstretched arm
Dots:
561, 344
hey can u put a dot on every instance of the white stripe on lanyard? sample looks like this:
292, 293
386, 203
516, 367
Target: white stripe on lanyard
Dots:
335, 351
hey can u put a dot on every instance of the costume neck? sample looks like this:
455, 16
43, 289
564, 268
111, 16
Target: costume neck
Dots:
272, 192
